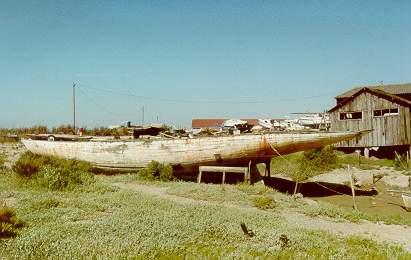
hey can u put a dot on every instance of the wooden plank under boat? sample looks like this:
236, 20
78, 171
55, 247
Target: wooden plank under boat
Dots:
188, 153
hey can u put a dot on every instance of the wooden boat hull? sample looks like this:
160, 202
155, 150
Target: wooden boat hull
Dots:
184, 154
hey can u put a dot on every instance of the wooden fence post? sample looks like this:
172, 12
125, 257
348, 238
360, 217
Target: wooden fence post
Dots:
199, 177
352, 188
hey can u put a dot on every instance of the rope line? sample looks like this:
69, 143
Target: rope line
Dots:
329, 188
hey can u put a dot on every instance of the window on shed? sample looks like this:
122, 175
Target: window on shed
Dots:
350, 115
386, 112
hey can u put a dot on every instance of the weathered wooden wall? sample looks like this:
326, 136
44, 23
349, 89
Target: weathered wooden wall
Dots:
388, 130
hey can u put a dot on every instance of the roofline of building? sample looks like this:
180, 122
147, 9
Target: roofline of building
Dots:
356, 89
377, 92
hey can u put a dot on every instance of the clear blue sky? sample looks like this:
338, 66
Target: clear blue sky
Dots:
279, 56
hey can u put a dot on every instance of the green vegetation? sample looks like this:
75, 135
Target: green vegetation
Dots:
123, 223
361, 162
9, 223
172, 220
53, 173
157, 171
303, 165
264, 202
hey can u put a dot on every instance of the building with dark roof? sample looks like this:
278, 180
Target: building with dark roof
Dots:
384, 109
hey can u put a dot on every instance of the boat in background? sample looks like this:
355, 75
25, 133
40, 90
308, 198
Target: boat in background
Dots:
186, 154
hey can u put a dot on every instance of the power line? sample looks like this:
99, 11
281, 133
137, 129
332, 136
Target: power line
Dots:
190, 101
114, 115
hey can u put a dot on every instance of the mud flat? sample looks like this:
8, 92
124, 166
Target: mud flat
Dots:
385, 202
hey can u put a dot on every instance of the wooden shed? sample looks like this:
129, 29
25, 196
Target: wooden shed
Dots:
384, 109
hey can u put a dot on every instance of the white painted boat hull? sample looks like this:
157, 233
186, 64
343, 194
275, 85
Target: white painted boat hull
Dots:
223, 150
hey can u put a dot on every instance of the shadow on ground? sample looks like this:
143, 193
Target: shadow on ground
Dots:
314, 189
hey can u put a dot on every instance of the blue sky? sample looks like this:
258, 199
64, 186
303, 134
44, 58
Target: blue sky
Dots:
236, 58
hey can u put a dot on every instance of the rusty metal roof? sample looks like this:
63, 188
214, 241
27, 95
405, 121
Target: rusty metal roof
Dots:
394, 89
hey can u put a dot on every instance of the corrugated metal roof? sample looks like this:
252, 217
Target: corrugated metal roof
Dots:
394, 89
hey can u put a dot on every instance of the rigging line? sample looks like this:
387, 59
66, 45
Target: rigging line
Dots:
204, 101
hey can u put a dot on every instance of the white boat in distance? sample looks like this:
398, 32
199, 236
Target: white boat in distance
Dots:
188, 153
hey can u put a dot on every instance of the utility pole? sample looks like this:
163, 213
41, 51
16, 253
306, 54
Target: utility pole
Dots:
74, 108
142, 118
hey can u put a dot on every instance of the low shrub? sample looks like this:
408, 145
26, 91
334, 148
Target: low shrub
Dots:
319, 160
63, 178
29, 164
264, 202
401, 161
157, 171
53, 173
9, 224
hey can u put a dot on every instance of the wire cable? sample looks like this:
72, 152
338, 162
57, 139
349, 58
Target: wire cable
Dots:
190, 101
104, 108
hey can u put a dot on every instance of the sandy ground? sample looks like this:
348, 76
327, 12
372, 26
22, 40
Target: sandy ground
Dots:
391, 177
11, 152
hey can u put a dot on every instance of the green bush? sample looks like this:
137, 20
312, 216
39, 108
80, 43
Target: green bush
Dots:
319, 160
63, 178
9, 224
53, 173
264, 202
157, 171
29, 164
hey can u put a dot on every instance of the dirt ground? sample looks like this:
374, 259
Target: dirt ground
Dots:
384, 203
11, 152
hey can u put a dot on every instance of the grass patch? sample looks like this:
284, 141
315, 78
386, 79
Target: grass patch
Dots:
125, 223
2, 160
48, 203
362, 162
